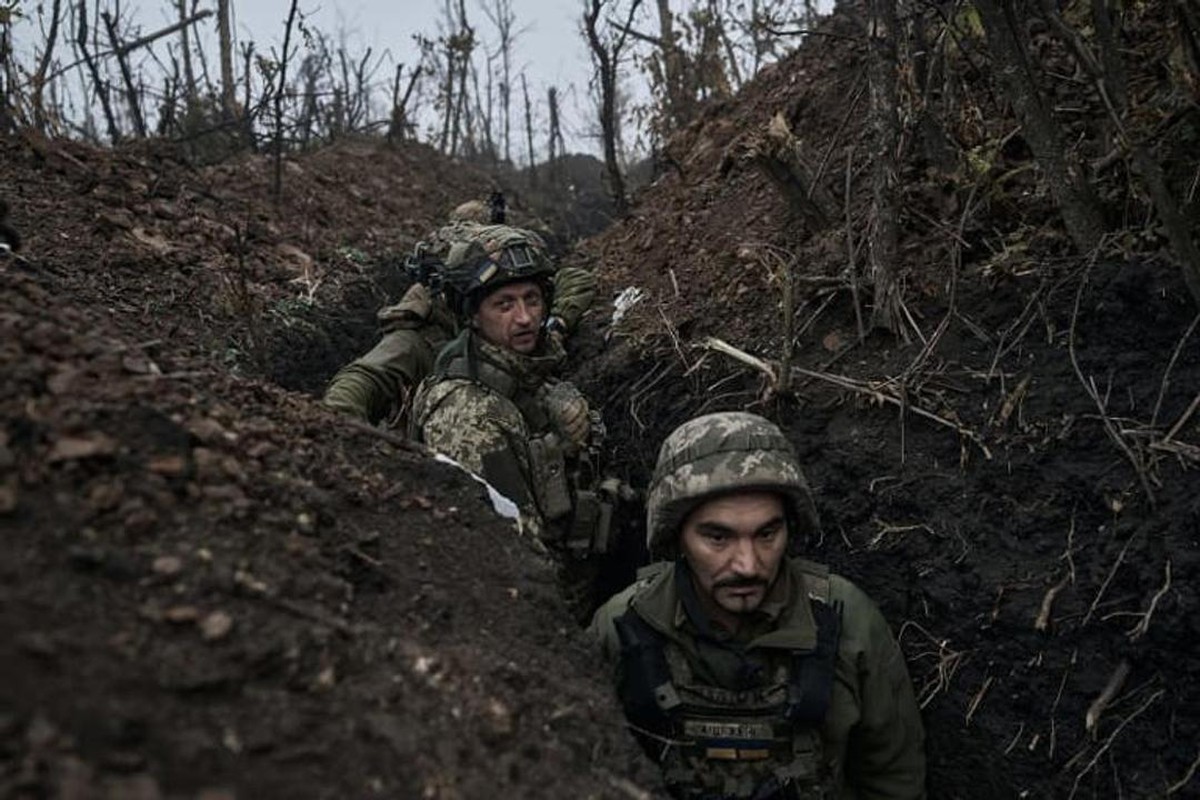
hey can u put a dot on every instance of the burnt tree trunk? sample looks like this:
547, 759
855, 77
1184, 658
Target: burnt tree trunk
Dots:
1069, 184
225, 44
131, 94
533, 176
607, 57
882, 244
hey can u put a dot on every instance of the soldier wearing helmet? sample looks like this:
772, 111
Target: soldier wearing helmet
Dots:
378, 385
743, 672
493, 403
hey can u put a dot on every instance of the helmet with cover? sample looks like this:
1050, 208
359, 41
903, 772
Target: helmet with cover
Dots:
470, 211
717, 454
496, 255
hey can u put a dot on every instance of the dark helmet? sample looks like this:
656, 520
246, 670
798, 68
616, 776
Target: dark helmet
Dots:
494, 256
717, 454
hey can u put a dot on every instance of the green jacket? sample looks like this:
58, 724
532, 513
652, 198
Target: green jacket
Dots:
871, 739
377, 385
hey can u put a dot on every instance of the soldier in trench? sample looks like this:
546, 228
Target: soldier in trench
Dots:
378, 385
493, 403
747, 674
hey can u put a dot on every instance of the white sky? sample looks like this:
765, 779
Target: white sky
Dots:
549, 49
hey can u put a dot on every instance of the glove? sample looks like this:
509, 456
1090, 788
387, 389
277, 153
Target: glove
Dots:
556, 329
568, 409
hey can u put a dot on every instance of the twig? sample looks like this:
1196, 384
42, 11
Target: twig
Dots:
1108, 742
624, 786
978, 698
1183, 419
850, 255
1187, 777
1139, 630
1104, 586
1166, 378
720, 346
1138, 465
1096, 709
1043, 618
1062, 684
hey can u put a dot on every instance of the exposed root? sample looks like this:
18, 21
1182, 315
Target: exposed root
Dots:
947, 663
1186, 779
1096, 709
1109, 741
1139, 630
1043, 618
978, 699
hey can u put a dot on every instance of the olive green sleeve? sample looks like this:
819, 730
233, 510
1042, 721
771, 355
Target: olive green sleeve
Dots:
372, 386
574, 291
603, 629
885, 754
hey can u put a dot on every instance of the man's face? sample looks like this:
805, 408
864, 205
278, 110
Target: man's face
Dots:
512, 316
734, 545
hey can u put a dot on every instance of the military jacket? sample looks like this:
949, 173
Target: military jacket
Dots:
483, 407
869, 744
377, 385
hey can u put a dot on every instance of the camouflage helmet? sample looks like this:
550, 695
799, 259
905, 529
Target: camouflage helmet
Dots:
493, 256
470, 211
716, 454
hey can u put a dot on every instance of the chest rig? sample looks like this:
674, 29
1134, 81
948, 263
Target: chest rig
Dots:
568, 492
715, 743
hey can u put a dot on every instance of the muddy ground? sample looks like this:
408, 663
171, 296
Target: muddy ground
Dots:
213, 588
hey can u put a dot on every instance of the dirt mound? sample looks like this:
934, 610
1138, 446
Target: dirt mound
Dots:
1017, 485
212, 587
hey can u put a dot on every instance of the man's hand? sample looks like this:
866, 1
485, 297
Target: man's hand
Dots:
568, 408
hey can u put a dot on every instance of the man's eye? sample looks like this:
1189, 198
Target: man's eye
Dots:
715, 537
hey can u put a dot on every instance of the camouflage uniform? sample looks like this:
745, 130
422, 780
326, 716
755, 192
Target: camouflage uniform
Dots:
376, 386
811, 699
499, 413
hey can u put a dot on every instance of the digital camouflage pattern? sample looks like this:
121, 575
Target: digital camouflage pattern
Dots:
505, 435
718, 453
870, 743
377, 386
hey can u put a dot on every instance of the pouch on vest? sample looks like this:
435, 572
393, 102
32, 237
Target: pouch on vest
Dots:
549, 473
593, 528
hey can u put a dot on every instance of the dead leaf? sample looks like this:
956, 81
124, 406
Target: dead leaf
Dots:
8, 497
172, 466
181, 614
156, 243
75, 448
216, 626
167, 565
832, 341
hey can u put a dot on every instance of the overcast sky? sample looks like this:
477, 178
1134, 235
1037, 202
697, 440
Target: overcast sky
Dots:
549, 49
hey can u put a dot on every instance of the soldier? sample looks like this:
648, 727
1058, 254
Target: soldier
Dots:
494, 405
743, 673
377, 386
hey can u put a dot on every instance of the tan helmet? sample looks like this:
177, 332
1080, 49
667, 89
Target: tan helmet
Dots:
471, 211
717, 454
493, 256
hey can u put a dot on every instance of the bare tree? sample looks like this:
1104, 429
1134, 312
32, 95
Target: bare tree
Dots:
1069, 184
185, 42
280, 87
607, 47
885, 129
529, 130
502, 16
39, 77
225, 43
557, 146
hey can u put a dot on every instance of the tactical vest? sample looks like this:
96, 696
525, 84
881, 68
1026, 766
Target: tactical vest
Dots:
579, 518
720, 744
